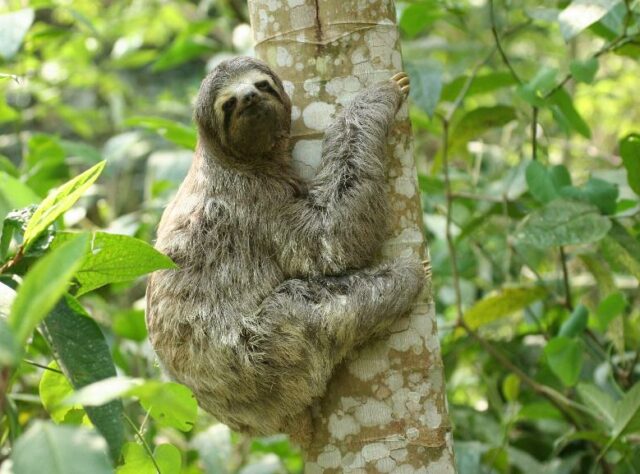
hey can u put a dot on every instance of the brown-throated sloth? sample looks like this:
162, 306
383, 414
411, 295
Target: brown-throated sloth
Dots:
271, 291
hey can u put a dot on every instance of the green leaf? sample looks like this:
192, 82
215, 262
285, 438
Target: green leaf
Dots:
13, 28
581, 14
190, 44
45, 162
426, 84
610, 308
630, 153
175, 132
584, 70
627, 415
621, 249
476, 122
84, 357
560, 176
576, 323
54, 387
16, 222
481, 84
14, 194
600, 271
534, 90
418, 16
44, 285
138, 461
599, 401
104, 391
540, 183
539, 411
170, 404
598, 192
546, 184
81, 152
563, 222
115, 258
564, 110
7, 166
564, 357
59, 202
49, 449
168, 458
9, 349
501, 304
131, 325
511, 387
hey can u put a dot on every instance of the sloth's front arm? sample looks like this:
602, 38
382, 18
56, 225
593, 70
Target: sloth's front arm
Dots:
342, 221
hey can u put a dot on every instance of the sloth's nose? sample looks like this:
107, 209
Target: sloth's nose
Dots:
249, 96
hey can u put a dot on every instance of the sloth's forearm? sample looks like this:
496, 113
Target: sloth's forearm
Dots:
342, 222
354, 153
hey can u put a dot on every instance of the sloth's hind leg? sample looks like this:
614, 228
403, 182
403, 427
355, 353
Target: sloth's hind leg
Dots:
306, 327
334, 314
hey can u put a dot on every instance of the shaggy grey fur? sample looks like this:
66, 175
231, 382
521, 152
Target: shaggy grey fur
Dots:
276, 280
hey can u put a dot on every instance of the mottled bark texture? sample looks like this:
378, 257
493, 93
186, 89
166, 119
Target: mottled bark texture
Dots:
385, 409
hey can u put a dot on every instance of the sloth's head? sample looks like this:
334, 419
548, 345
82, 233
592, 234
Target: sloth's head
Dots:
243, 110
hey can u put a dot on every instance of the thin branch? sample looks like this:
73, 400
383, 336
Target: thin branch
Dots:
35, 364
477, 197
5, 376
628, 16
143, 441
534, 134
615, 44
14, 261
450, 244
496, 37
13, 77
568, 302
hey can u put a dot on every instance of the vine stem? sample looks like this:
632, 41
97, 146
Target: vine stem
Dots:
534, 134
143, 441
615, 44
568, 301
496, 37
14, 261
40, 366
4, 388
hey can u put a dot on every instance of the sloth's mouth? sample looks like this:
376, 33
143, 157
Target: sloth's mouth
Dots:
252, 107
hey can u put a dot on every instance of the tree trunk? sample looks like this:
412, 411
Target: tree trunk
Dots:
385, 409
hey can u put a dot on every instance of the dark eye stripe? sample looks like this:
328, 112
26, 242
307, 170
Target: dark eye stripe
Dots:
229, 104
227, 108
263, 85
266, 87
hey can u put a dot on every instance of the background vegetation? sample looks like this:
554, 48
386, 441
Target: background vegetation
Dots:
527, 127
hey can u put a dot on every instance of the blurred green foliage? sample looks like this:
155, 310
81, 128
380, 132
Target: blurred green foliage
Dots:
527, 127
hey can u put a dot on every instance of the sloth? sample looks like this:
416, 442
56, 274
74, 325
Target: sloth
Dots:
278, 280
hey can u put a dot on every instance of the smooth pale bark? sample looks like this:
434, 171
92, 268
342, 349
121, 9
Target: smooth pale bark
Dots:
385, 409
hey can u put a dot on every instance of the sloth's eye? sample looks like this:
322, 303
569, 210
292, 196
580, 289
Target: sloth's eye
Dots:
262, 85
229, 104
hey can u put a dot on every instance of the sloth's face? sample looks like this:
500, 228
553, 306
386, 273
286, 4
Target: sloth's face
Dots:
251, 113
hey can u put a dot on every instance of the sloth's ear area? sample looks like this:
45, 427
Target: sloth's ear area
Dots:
204, 110
203, 116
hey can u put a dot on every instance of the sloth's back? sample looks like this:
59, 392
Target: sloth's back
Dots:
204, 323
